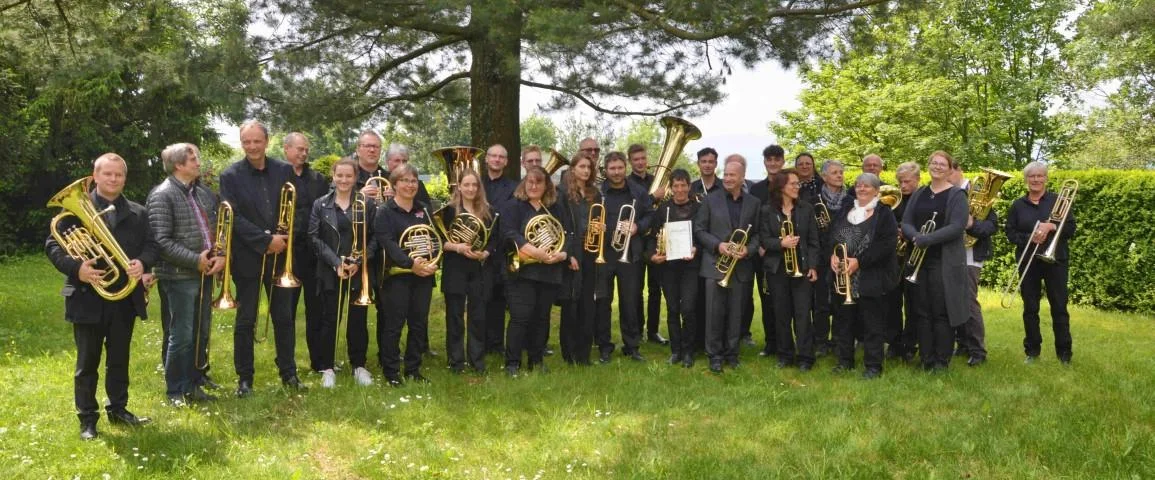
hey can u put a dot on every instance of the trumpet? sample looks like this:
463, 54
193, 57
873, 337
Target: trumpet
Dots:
91, 240
918, 254
419, 241
842, 284
789, 255
621, 240
542, 231
821, 214
381, 183
596, 231
1059, 212
728, 261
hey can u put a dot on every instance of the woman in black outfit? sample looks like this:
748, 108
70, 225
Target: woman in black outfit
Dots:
577, 192
463, 281
944, 263
790, 294
679, 275
533, 288
870, 233
331, 233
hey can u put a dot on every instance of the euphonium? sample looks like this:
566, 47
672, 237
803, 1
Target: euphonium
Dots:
223, 246
457, 160
981, 195
381, 183
1059, 212
918, 254
91, 240
678, 133
789, 255
419, 241
542, 231
821, 214
728, 261
596, 231
622, 234
287, 212
842, 284
361, 239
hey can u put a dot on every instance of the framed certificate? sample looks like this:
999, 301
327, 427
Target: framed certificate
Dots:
679, 240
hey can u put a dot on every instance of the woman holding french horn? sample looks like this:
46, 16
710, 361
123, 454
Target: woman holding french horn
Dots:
412, 252
531, 223
865, 268
789, 234
580, 194
467, 223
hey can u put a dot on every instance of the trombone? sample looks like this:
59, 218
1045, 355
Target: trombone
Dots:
842, 284
621, 240
790, 255
1059, 212
728, 261
365, 298
596, 231
285, 215
345, 285
222, 247
918, 254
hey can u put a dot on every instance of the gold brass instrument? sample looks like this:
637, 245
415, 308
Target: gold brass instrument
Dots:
662, 236
224, 246
361, 238
285, 215
381, 183
542, 231
901, 247
357, 254
1066, 198
821, 214
419, 241
981, 195
679, 132
890, 196
842, 284
622, 234
596, 231
457, 160
728, 261
918, 254
790, 255
465, 228
555, 162
91, 240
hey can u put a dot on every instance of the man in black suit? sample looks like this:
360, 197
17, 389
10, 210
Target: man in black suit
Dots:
716, 221
498, 190
99, 324
314, 185
616, 192
368, 157
253, 186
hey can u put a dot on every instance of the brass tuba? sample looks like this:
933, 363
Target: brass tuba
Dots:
981, 195
729, 261
542, 231
596, 231
91, 240
457, 160
419, 241
556, 161
679, 132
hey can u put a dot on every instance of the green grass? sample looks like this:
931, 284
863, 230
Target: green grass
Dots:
1002, 420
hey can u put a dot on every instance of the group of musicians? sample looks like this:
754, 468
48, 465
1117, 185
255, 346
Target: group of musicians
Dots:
831, 264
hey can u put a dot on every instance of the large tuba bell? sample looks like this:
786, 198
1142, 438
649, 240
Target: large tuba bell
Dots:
890, 196
556, 161
457, 160
678, 133
983, 192
91, 240
542, 231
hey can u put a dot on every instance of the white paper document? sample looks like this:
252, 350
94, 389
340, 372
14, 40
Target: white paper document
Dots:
679, 240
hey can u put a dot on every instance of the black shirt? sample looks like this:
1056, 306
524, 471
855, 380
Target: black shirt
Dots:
929, 204
390, 222
344, 231
761, 189
698, 188
514, 217
734, 205
1021, 220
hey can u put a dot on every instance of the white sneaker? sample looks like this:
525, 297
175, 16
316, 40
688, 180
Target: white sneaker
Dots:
363, 377
328, 378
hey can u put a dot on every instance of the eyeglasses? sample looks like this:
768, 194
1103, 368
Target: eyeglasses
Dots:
594, 149
406, 180
795, 184
370, 146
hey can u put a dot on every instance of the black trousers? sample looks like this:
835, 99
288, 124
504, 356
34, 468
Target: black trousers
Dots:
902, 333
748, 309
465, 317
407, 297
936, 336
495, 309
653, 303
305, 268
577, 317
112, 335
165, 318
284, 334
1054, 277
822, 306
680, 287
700, 307
627, 288
724, 320
769, 310
356, 331
791, 300
871, 313
530, 302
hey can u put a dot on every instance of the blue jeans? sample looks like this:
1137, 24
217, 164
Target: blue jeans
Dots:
186, 348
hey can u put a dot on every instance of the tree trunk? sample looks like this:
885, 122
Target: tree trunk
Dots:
495, 86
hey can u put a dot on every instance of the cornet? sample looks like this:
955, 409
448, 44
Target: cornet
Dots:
1059, 212
622, 234
842, 284
596, 231
789, 255
918, 254
728, 261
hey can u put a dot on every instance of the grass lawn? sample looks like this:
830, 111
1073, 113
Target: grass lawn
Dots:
623, 420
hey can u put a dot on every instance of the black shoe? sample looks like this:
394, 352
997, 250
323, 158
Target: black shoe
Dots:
456, 368
674, 359
199, 395
822, 350
87, 430
961, 352
1066, 361
716, 366
908, 357
125, 417
785, 364
766, 353
416, 377
393, 380
635, 356
512, 370
733, 363
688, 360
805, 367
604, 357
294, 383
658, 339
1031, 359
538, 367
975, 361
244, 388
208, 383
892, 352
177, 400
842, 368
871, 373
748, 340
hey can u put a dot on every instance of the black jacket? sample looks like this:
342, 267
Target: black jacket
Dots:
1021, 220
514, 218
255, 197
643, 210
312, 185
805, 227
712, 226
982, 230
388, 225
878, 265
132, 232
176, 228
327, 242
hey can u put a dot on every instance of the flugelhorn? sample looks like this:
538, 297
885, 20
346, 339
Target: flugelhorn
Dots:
918, 254
91, 240
679, 132
596, 231
457, 160
842, 281
1058, 216
419, 241
981, 195
542, 231
622, 233
789, 255
728, 261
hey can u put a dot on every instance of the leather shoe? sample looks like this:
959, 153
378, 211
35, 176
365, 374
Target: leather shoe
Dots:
784, 364
658, 339
88, 431
716, 366
512, 371
416, 377
975, 361
734, 363
294, 383
871, 373
125, 417
393, 380
749, 340
199, 395
674, 359
244, 388
604, 357
635, 356
688, 360
208, 383
805, 367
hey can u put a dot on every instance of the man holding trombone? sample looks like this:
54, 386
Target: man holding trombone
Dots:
1040, 224
183, 215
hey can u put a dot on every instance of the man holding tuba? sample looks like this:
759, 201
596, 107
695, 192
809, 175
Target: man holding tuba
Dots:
253, 187
651, 311
498, 191
99, 323
971, 337
183, 216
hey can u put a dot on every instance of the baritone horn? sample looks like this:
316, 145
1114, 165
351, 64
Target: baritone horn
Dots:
728, 261
679, 132
596, 231
91, 240
1059, 212
981, 195
622, 234
842, 284
542, 231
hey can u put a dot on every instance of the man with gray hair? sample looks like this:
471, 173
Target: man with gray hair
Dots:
834, 198
183, 217
398, 155
313, 185
872, 163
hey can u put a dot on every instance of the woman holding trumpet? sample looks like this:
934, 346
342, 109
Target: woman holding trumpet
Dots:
934, 222
470, 241
337, 230
865, 266
679, 276
579, 193
408, 287
789, 234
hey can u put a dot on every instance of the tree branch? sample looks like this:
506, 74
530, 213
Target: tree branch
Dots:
308, 44
418, 95
662, 22
67, 26
383, 69
599, 108
14, 5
